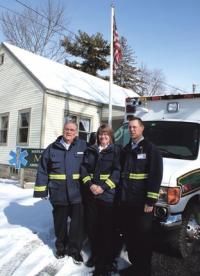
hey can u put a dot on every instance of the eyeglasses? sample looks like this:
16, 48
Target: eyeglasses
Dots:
69, 129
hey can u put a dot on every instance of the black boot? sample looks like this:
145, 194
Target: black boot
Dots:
128, 271
76, 256
91, 261
60, 253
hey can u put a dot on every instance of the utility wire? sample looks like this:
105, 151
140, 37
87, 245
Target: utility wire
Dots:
42, 15
64, 28
21, 15
53, 41
174, 87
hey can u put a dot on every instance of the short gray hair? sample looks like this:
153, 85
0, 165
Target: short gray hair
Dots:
71, 122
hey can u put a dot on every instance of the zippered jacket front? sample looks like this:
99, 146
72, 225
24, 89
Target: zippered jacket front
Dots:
142, 170
58, 173
103, 169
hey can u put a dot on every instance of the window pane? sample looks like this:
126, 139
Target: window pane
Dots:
4, 122
3, 129
24, 120
3, 136
174, 139
23, 135
84, 125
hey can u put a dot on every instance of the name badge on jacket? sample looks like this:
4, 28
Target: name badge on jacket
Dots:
141, 156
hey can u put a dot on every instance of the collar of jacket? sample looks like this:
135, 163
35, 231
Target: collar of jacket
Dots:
139, 140
96, 149
139, 143
109, 148
134, 144
58, 144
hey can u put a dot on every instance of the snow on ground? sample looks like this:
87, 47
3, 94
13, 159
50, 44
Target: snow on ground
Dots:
27, 237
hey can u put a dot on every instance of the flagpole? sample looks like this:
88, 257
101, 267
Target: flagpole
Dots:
111, 69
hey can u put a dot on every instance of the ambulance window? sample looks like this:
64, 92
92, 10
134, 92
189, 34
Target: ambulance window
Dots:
178, 140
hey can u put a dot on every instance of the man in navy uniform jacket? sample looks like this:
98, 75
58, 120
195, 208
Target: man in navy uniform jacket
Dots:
142, 170
58, 176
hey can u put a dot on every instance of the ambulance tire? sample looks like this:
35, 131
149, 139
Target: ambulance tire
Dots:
187, 237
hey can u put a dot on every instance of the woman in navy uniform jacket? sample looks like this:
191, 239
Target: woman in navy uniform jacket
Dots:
100, 174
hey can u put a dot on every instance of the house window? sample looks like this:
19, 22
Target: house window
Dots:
1, 59
83, 124
4, 119
24, 125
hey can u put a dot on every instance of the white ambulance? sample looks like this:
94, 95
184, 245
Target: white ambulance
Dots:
172, 123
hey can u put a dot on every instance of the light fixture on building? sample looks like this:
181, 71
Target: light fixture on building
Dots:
173, 107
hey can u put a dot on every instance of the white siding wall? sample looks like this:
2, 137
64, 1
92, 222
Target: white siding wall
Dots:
116, 113
55, 115
18, 91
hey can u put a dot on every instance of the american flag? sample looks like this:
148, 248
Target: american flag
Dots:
117, 52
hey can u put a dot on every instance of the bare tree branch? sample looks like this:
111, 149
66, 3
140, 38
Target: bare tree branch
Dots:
38, 30
152, 82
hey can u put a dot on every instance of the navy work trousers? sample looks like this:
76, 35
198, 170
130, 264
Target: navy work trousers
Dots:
137, 231
69, 234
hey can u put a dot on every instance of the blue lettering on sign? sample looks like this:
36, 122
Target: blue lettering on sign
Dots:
18, 158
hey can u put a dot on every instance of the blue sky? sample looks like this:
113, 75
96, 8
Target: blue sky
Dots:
165, 34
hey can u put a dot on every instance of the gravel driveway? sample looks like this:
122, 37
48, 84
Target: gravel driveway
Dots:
166, 265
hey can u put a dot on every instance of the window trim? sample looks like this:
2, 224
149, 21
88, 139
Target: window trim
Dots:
4, 115
2, 59
26, 110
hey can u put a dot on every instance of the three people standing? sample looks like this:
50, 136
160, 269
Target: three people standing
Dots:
63, 167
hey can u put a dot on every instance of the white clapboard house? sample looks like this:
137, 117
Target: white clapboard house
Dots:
37, 95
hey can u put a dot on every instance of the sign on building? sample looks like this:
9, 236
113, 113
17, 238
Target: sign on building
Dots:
25, 157
33, 157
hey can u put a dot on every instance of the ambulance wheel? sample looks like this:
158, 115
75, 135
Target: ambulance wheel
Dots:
188, 235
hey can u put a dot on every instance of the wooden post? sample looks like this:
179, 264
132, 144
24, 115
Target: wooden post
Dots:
21, 177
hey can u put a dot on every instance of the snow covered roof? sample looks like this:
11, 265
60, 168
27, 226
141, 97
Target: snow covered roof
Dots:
58, 77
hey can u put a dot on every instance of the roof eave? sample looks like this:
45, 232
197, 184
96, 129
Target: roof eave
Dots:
72, 97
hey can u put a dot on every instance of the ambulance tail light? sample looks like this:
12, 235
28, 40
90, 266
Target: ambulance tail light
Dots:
170, 195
